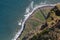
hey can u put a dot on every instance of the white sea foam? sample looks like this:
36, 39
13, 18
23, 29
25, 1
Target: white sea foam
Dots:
32, 3
30, 7
27, 10
27, 16
20, 22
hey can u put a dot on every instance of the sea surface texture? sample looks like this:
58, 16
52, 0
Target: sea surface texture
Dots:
11, 13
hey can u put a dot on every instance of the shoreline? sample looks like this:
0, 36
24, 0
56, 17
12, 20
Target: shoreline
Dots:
26, 17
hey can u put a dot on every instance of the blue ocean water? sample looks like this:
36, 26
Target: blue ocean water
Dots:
11, 11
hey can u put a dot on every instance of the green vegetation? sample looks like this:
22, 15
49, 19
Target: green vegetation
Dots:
34, 23
39, 16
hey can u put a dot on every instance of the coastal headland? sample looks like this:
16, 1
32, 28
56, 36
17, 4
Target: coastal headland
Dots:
38, 21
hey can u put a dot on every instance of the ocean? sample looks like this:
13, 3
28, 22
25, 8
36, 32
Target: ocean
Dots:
12, 12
